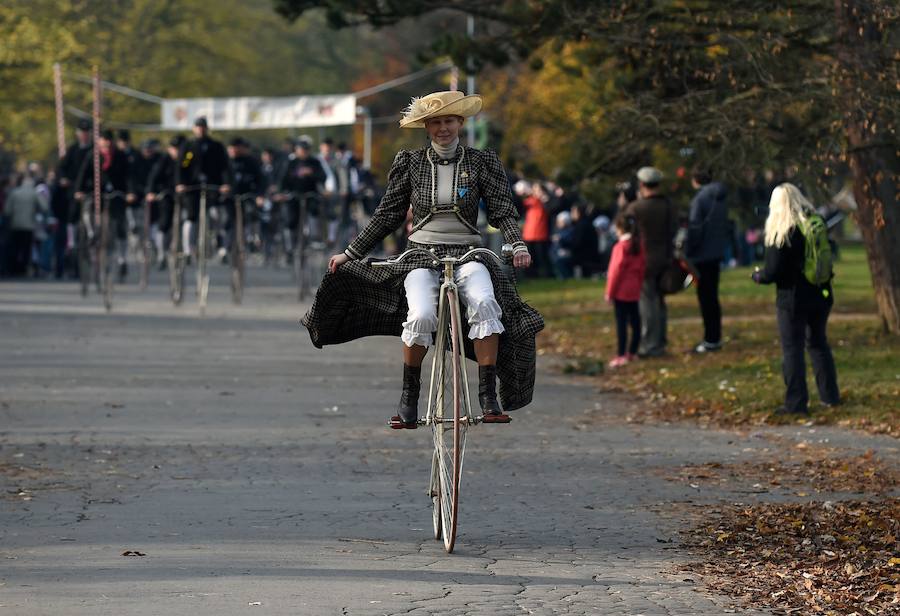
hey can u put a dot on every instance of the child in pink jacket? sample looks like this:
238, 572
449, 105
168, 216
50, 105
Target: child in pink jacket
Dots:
623, 287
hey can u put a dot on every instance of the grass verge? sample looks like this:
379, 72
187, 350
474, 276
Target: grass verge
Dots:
742, 383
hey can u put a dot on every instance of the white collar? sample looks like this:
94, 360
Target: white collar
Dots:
446, 152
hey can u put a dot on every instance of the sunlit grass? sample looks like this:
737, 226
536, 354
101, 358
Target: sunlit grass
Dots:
743, 381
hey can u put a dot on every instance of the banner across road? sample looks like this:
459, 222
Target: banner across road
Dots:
253, 112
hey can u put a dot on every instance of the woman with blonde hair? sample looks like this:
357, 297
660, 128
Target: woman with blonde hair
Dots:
802, 307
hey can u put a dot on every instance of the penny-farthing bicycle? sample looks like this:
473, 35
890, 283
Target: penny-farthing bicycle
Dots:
449, 406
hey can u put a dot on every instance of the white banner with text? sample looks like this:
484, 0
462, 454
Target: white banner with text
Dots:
252, 112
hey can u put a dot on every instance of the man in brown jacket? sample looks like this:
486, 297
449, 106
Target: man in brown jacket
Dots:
658, 222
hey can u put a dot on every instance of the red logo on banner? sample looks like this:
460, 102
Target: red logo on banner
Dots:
326, 110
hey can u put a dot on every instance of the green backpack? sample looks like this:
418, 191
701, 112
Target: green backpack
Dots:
817, 259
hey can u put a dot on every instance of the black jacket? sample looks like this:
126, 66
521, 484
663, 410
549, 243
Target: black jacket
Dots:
141, 167
162, 176
784, 267
116, 177
203, 160
247, 176
708, 224
296, 183
71, 163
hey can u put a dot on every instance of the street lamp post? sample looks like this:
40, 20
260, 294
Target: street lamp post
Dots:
470, 79
367, 135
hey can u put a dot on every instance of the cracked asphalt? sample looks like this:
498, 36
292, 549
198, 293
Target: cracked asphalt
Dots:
255, 474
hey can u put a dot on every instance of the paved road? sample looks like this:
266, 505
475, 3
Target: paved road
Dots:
256, 475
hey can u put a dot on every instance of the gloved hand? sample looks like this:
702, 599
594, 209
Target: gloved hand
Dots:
756, 275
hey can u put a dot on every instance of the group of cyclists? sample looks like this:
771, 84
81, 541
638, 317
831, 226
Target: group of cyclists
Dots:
269, 187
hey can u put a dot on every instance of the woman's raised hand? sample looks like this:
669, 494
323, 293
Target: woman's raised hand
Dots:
522, 259
336, 261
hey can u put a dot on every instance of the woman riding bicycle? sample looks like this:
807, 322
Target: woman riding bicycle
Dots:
444, 183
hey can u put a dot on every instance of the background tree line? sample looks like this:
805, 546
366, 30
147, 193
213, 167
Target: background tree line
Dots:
576, 91
186, 48
595, 89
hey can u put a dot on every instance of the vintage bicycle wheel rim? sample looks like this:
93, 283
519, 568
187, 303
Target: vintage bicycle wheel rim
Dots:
435, 492
237, 263
450, 495
300, 254
202, 247
176, 271
147, 249
105, 264
441, 431
84, 260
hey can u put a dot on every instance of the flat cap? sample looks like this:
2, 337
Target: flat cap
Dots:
649, 175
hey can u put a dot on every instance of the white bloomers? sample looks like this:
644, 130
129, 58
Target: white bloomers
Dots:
475, 290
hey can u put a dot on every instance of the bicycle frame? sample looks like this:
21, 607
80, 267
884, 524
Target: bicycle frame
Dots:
435, 390
449, 418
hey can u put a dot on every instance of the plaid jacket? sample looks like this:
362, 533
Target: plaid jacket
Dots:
360, 300
410, 184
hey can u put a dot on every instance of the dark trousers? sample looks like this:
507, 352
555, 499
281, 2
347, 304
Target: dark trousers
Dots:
627, 313
190, 204
654, 318
708, 296
799, 328
541, 267
61, 237
20, 255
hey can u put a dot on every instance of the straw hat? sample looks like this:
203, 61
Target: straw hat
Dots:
439, 104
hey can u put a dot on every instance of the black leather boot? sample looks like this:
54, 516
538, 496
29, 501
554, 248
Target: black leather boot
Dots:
487, 395
408, 409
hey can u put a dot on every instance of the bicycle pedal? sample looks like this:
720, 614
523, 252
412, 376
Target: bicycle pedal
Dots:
396, 423
505, 419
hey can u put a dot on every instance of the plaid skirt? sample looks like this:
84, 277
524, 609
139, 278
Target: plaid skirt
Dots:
360, 300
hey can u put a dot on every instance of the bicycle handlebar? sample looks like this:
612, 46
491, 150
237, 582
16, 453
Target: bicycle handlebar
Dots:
300, 196
159, 196
198, 187
506, 252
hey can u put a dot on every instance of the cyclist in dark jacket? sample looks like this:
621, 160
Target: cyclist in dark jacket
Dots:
161, 194
70, 166
204, 161
247, 184
302, 179
114, 180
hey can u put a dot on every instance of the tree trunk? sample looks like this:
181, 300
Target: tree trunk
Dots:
872, 151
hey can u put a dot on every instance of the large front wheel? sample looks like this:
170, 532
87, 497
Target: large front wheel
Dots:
202, 256
450, 420
176, 257
106, 269
237, 255
85, 266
